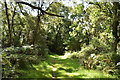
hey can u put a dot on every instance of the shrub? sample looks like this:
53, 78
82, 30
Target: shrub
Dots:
20, 58
28, 50
102, 62
116, 58
86, 51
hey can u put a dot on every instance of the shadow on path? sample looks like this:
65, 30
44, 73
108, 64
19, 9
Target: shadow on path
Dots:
60, 67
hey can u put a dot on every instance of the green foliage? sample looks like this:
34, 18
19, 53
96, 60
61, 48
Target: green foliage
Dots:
63, 69
116, 58
57, 29
102, 61
20, 58
28, 50
88, 50
95, 47
73, 44
86, 33
100, 46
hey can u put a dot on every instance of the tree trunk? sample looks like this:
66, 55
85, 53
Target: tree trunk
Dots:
8, 21
35, 40
115, 26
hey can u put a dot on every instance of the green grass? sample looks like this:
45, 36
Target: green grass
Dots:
62, 68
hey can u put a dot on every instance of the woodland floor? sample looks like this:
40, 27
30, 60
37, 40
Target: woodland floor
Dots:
61, 67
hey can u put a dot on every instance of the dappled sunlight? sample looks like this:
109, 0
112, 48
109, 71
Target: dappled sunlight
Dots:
94, 74
61, 41
66, 68
62, 57
72, 74
67, 55
56, 66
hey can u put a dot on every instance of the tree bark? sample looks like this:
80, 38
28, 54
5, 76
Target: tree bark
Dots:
9, 27
115, 26
12, 23
36, 27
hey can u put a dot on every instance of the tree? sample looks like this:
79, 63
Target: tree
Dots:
42, 11
57, 27
112, 14
115, 25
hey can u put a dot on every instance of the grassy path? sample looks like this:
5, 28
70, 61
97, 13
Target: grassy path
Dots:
60, 67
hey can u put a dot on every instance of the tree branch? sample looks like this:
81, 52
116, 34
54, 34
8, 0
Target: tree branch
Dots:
49, 6
8, 21
34, 7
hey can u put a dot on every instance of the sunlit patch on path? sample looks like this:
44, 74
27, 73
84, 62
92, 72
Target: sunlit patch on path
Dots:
62, 67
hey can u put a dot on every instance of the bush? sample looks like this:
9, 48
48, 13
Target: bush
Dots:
20, 58
102, 62
116, 58
90, 59
28, 50
86, 51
